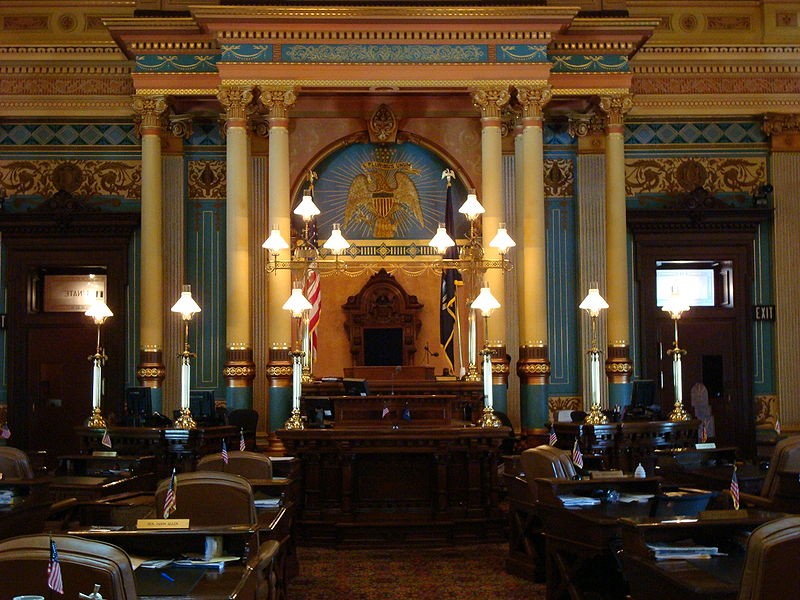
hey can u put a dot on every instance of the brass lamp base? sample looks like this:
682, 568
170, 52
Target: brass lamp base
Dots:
596, 416
96, 420
679, 413
472, 373
185, 420
294, 422
488, 419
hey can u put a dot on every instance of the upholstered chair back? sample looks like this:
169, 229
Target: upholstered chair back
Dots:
545, 461
772, 564
250, 465
785, 458
210, 498
15, 464
24, 562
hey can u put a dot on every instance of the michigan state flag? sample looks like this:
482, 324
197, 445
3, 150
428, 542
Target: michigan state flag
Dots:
447, 312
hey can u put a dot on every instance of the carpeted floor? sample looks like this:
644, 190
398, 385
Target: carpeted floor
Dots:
471, 572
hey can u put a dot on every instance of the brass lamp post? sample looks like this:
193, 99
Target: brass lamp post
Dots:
676, 305
187, 307
486, 303
593, 303
99, 312
298, 305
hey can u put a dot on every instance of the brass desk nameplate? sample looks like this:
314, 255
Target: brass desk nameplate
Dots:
162, 524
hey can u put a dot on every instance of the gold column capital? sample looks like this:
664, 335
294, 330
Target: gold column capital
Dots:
783, 130
150, 113
582, 125
277, 101
615, 108
490, 101
180, 126
533, 100
237, 101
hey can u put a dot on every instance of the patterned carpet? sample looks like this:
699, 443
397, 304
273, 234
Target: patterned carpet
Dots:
471, 572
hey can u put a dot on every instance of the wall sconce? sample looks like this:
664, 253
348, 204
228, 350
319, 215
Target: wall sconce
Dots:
187, 307
676, 305
593, 303
486, 303
99, 312
297, 304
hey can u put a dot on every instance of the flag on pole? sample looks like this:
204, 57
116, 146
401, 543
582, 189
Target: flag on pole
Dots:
577, 457
777, 425
703, 432
735, 489
312, 293
106, 440
224, 451
385, 411
553, 437
5, 432
242, 444
171, 499
450, 277
54, 581
406, 413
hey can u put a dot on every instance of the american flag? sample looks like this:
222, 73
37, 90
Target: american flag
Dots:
242, 445
224, 452
5, 433
54, 581
735, 489
577, 457
171, 499
106, 441
553, 437
778, 425
703, 432
384, 412
312, 292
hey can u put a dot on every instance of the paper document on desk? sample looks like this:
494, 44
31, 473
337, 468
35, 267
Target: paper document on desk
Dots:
569, 500
268, 503
629, 498
218, 562
682, 551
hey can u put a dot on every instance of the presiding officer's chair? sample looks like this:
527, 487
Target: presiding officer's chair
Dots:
250, 465
15, 464
24, 567
210, 498
772, 565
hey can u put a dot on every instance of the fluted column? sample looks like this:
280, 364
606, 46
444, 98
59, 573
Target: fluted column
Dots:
618, 363
533, 367
491, 101
239, 369
784, 130
150, 111
277, 102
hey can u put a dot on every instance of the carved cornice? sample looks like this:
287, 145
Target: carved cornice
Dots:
378, 35
491, 101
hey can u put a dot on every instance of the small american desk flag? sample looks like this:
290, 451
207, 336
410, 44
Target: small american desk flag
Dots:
54, 581
242, 444
577, 457
224, 452
106, 440
735, 489
553, 437
171, 499
5, 432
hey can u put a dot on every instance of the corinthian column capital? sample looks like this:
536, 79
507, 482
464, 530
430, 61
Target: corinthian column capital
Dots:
533, 100
237, 101
491, 101
615, 108
151, 112
780, 123
277, 101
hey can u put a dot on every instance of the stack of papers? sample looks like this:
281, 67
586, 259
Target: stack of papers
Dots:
624, 497
268, 502
569, 500
663, 551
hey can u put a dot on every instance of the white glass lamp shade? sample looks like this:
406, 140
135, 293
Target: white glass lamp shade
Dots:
307, 209
441, 241
485, 302
275, 242
186, 304
593, 303
297, 303
471, 207
336, 243
99, 311
502, 241
676, 304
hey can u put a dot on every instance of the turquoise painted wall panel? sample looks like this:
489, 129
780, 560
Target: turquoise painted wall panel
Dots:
522, 53
206, 272
764, 331
176, 63
205, 134
247, 53
385, 53
597, 63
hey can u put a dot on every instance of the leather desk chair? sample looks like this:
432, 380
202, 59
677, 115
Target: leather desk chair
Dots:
268, 572
84, 563
14, 463
250, 465
772, 565
786, 459
209, 498
545, 461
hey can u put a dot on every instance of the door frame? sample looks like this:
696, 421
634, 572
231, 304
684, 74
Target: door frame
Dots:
700, 233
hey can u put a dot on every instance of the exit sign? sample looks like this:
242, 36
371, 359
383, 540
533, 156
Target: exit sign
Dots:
764, 312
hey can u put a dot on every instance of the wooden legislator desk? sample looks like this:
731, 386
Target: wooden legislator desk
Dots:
378, 485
